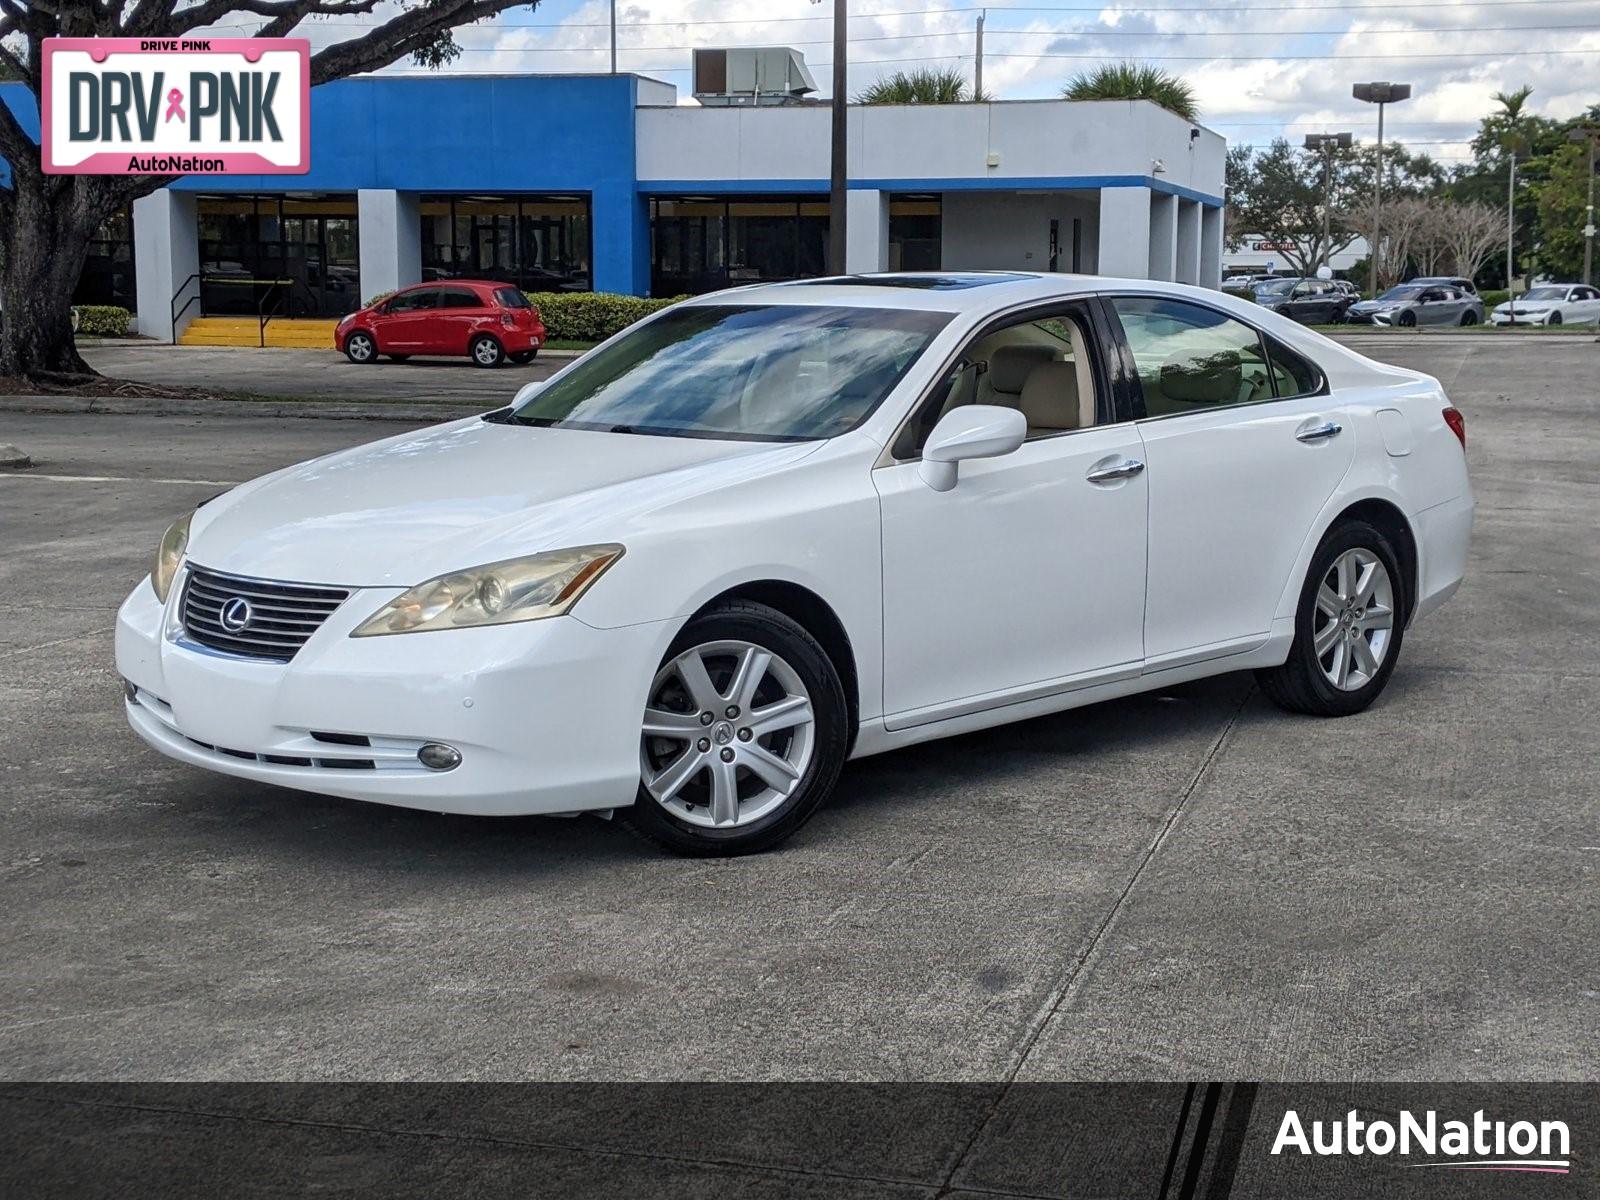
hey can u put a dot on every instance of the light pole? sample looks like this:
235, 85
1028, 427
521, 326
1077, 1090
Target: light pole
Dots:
977, 70
836, 179
613, 37
1328, 143
1379, 94
1588, 134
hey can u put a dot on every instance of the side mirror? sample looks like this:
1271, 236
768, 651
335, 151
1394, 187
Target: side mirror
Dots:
971, 431
527, 392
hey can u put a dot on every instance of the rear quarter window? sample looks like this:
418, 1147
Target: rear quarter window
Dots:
510, 297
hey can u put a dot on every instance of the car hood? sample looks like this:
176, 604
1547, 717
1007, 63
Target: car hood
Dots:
405, 509
1523, 307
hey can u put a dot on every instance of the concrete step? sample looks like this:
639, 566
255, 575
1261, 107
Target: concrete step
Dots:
299, 333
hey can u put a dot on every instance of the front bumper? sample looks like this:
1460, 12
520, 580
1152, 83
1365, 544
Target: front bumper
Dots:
545, 714
1522, 318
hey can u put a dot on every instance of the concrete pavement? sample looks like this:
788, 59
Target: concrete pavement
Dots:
1175, 886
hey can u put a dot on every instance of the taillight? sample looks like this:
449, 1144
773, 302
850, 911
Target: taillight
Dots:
1458, 425
537, 319
507, 319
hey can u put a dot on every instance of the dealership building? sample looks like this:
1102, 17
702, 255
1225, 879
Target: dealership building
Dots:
609, 183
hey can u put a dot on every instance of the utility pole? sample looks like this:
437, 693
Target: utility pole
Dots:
613, 37
836, 181
1379, 94
1328, 143
1511, 234
977, 72
1588, 134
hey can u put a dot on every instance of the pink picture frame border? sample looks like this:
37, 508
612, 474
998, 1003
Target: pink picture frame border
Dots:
233, 163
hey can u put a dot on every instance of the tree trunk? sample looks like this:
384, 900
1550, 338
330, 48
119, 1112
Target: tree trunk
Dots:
43, 255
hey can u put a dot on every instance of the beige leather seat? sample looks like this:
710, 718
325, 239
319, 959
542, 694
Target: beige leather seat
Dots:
1009, 368
1051, 401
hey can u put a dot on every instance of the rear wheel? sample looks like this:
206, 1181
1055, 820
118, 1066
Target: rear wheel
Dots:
1348, 627
360, 348
486, 352
1469, 317
743, 736
524, 356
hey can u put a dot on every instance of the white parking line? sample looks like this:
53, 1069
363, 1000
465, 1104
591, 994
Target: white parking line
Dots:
118, 479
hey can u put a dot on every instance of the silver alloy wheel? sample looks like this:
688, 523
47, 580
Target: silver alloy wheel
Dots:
486, 351
729, 731
360, 347
1354, 619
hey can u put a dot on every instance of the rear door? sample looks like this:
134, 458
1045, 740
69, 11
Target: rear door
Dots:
1244, 446
461, 313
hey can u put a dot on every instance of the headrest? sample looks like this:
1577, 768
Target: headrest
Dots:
1010, 366
1214, 379
1050, 397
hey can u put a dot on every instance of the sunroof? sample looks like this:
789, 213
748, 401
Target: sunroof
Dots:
927, 283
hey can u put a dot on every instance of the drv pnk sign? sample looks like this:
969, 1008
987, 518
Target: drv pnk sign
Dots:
176, 106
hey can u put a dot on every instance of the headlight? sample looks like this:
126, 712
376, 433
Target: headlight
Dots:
168, 555
519, 589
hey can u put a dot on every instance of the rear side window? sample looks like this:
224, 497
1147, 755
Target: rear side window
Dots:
1191, 358
458, 298
510, 297
1291, 374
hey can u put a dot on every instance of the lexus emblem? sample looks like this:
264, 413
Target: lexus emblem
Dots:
236, 615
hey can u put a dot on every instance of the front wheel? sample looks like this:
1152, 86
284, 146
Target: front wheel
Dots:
1408, 320
360, 348
1348, 627
743, 734
1555, 319
486, 352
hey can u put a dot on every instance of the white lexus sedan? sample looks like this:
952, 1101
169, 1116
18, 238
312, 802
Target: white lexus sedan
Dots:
772, 529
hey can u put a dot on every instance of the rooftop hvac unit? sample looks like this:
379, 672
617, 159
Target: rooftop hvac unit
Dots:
759, 75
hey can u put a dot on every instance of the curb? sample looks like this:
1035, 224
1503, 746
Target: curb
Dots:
376, 410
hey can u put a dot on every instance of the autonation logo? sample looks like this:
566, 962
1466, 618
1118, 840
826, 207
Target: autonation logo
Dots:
1476, 1145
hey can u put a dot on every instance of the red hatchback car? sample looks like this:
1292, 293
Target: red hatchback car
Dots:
485, 321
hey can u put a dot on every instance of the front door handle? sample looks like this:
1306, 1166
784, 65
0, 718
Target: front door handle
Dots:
1125, 468
1320, 433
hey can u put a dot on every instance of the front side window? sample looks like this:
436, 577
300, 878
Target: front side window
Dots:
1191, 358
760, 373
412, 302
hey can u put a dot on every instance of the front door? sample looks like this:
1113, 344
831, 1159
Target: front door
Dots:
1243, 450
1027, 578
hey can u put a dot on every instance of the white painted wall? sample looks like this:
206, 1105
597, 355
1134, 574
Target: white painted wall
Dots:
1163, 236
1033, 139
1125, 232
1187, 269
166, 247
999, 231
389, 224
866, 246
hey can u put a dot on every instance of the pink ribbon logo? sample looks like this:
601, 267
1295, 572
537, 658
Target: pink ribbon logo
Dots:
175, 105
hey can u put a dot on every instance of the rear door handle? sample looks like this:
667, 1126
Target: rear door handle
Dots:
1125, 468
1320, 433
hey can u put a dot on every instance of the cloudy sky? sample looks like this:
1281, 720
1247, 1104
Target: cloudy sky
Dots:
1259, 67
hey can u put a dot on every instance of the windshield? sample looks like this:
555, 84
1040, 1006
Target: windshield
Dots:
1278, 287
1546, 294
766, 373
1401, 293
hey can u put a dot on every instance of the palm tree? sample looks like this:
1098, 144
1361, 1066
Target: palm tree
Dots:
1135, 81
925, 85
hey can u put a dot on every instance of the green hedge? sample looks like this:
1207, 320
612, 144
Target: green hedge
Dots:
591, 316
1491, 298
102, 320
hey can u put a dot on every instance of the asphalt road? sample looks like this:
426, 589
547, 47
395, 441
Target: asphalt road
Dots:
1177, 886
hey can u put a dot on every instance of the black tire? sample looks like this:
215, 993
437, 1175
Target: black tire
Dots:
1555, 319
524, 356
399, 358
360, 348
1407, 320
1300, 685
745, 621
1469, 317
485, 351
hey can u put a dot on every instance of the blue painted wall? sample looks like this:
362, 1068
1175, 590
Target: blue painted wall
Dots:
540, 133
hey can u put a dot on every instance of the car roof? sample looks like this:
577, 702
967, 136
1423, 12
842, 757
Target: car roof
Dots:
439, 283
940, 291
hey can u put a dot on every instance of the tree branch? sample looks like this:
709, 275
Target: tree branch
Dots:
404, 34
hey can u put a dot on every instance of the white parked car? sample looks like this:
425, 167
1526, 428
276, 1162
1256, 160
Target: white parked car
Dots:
771, 529
1551, 304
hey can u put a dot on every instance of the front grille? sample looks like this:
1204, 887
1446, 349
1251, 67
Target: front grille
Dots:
279, 616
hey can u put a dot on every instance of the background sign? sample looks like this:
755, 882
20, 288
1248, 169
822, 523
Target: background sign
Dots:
177, 106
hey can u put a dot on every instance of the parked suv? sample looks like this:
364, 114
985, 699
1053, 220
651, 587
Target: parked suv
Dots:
482, 320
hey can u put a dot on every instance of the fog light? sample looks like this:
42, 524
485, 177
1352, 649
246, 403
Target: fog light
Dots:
436, 756
131, 692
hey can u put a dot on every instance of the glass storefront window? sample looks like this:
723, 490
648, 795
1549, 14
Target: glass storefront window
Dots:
107, 276
539, 243
915, 233
703, 244
288, 256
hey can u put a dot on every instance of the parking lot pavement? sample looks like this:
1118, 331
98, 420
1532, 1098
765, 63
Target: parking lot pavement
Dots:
322, 374
1184, 885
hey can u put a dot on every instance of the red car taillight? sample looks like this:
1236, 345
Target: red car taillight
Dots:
507, 319
1458, 425
537, 319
